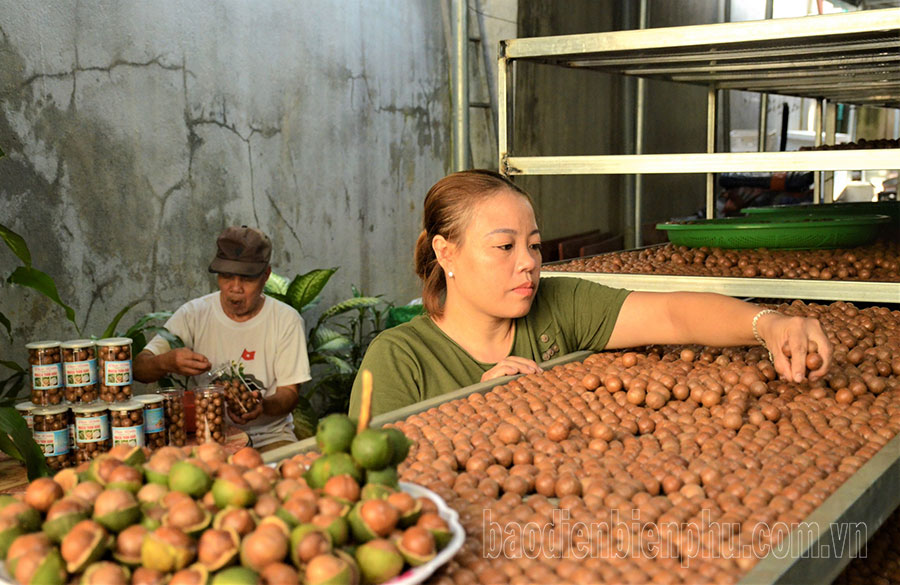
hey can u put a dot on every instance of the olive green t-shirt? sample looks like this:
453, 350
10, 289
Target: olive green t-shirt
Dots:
416, 360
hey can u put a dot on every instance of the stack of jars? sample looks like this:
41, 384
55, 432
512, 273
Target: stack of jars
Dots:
81, 401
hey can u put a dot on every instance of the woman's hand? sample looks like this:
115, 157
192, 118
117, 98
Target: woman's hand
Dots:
790, 340
510, 366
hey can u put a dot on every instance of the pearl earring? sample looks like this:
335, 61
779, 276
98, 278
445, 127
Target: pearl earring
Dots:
450, 274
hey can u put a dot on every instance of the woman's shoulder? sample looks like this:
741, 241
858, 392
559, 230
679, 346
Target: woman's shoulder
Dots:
566, 297
568, 284
553, 283
412, 333
559, 287
413, 343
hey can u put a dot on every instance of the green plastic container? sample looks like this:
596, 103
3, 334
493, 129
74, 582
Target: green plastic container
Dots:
889, 208
788, 233
889, 230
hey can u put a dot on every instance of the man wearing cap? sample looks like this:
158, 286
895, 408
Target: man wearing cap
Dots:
239, 324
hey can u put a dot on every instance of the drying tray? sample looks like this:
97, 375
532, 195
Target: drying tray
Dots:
830, 537
791, 233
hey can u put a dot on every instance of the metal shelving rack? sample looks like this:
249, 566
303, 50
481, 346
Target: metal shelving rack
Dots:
851, 58
764, 288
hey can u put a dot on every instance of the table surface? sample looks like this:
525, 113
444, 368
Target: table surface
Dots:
13, 477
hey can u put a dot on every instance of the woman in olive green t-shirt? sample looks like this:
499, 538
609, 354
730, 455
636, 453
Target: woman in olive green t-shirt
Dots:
490, 315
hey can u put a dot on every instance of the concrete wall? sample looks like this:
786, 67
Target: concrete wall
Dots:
135, 131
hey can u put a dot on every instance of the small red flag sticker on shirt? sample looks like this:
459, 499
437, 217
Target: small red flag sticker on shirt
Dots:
248, 355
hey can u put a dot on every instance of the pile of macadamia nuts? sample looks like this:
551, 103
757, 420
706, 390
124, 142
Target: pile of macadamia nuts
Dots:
878, 262
661, 465
862, 144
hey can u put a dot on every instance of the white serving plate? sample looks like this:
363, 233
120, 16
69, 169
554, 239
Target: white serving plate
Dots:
422, 572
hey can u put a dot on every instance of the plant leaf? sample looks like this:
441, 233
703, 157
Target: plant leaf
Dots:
12, 366
312, 304
276, 285
14, 426
142, 322
279, 297
5, 322
342, 365
10, 387
306, 287
174, 341
334, 389
8, 447
138, 342
325, 339
398, 315
305, 419
349, 305
111, 328
17, 244
41, 282
139, 338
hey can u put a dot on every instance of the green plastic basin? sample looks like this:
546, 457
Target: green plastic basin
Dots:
804, 232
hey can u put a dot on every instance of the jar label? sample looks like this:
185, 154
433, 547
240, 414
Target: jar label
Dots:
154, 422
91, 429
72, 444
131, 436
46, 376
52, 443
118, 373
81, 373
29, 420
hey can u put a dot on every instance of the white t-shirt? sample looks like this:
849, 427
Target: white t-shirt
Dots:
271, 345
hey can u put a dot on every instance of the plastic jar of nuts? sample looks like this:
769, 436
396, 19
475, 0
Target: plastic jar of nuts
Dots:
46, 372
239, 387
92, 435
51, 433
154, 420
173, 402
25, 408
114, 368
126, 423
209, 412
79, 358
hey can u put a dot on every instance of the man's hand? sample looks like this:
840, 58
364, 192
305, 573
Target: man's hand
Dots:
243, 418
511, 365
186, 362
280, 403
149, 367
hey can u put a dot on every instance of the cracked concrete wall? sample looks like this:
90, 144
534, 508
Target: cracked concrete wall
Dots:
136, 131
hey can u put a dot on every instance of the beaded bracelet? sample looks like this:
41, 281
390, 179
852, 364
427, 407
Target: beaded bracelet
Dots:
756, 332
